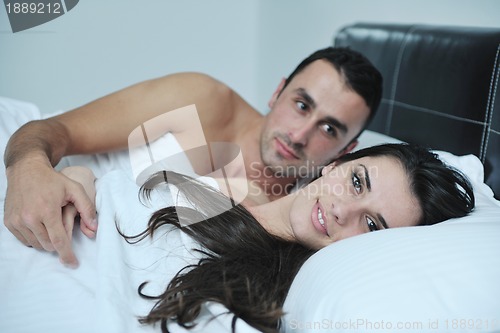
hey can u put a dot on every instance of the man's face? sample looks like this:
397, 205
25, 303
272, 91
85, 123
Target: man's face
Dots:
311, 122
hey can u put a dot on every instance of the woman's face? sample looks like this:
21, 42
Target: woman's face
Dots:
367, 194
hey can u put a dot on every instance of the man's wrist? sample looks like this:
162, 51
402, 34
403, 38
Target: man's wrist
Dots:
33, 157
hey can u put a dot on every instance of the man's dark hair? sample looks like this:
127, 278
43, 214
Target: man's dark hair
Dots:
358, 72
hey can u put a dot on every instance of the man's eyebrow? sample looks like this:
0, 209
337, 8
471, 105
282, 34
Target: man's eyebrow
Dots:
336, 123
331, 120
309, 100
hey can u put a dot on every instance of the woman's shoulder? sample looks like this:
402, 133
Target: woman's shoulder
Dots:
116, 179
242, 190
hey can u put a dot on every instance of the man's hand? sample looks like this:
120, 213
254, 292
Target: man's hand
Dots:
36, 194
86, 178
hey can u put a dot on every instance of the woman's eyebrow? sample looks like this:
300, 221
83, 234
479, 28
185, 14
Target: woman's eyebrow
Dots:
367, 178
369, 187
382, 221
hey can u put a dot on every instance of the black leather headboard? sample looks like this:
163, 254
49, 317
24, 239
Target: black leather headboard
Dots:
441, 86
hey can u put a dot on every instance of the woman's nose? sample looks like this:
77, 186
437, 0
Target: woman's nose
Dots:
345, 212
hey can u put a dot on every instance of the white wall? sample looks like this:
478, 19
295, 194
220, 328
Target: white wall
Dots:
102, 46
288, 36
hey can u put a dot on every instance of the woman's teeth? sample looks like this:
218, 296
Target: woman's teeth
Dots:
320, 218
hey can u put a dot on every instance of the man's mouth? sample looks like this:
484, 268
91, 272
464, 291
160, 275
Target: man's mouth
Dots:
285, 151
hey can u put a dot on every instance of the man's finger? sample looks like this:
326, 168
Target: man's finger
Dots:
69, 214
31, 233
86, 208
62, 244
37, 227
30, 240
86, 231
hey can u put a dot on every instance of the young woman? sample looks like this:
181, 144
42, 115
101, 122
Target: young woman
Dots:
251, 255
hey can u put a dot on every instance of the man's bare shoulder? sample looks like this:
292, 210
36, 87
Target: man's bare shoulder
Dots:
221, 109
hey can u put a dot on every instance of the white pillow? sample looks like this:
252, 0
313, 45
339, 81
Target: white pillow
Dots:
369, 138
441, 278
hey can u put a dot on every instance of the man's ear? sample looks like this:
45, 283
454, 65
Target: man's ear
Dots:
350, 147
276, 93
328, 168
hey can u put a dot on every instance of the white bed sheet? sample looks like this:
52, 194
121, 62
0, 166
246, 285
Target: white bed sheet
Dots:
38, 294
440, 278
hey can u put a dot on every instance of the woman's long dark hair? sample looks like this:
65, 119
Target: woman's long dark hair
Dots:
244, 268
250, 271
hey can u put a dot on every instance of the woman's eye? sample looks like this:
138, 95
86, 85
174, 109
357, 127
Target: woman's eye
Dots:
372, 226
356, 183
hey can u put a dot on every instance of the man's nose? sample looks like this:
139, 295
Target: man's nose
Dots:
301, 133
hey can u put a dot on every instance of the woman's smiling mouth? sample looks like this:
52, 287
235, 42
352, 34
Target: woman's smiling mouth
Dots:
318, 219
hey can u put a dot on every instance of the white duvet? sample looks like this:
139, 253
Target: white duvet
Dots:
445, 277
38, 294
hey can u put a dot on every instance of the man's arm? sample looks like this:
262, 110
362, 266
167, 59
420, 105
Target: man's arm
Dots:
36, 193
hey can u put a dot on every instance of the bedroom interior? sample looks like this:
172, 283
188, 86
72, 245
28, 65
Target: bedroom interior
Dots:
441, 90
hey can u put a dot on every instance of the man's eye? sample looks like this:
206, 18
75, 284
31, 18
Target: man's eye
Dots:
356, 183
329, 130
372, 226
301, 106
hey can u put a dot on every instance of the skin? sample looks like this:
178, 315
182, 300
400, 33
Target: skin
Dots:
298, 132
34, 216
356, 197
86, 178
348, 207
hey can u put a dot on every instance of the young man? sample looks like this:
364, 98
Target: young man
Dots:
315, 116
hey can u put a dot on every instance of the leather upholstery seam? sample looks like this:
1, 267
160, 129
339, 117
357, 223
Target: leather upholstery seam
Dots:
395, 78
434, 112
490, 106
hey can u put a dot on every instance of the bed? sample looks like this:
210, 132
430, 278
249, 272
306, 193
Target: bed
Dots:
440, 90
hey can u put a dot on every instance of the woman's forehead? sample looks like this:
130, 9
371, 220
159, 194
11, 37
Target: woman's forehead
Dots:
393, 187
391, 190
